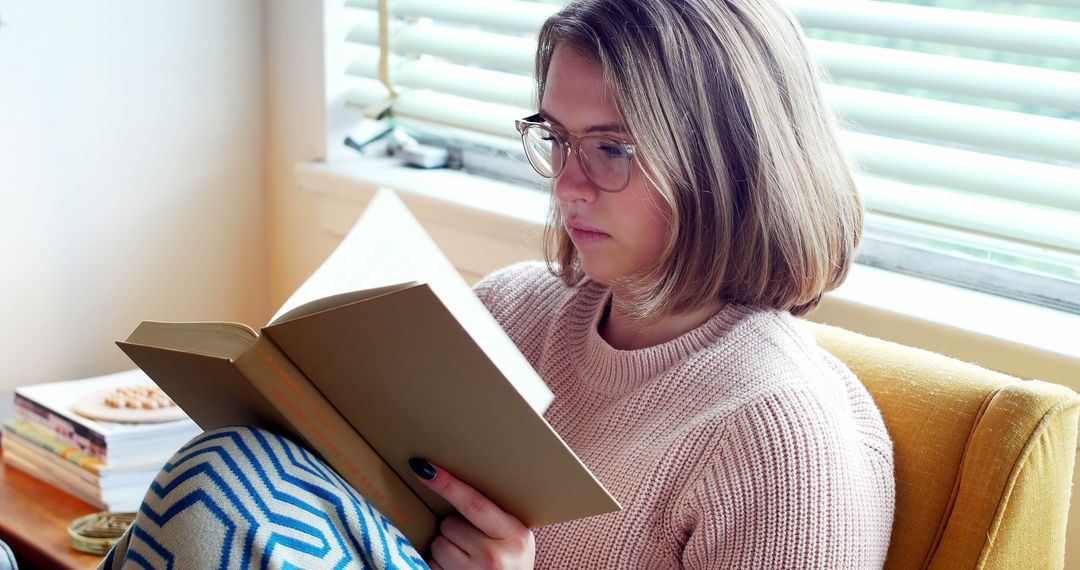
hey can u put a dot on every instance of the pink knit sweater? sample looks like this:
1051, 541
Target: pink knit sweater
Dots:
740, 444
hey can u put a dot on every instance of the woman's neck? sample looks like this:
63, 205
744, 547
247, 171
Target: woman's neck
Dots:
624, 333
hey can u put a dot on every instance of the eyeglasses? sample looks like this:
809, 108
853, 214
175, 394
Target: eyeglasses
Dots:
606, 162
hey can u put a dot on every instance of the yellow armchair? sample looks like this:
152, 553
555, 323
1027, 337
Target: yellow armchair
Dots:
984, 461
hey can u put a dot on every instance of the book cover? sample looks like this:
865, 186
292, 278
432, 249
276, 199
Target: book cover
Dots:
372, 377
77, 435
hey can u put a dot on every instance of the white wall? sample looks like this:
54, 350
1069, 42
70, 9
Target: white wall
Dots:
297, 127
131, 155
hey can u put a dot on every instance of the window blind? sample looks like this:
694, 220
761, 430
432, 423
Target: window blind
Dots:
957, 119
462, 63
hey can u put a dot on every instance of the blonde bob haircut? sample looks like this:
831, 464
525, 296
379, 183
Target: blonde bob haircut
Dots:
723, 104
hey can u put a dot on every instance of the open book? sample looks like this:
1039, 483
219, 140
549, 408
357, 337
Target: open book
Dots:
369, 378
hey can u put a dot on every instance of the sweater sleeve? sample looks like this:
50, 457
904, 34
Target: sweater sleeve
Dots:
786, 490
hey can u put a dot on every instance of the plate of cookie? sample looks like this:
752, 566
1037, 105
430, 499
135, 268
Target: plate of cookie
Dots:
130, 404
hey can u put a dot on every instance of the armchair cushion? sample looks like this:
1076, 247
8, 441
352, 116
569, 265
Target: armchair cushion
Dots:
983, 460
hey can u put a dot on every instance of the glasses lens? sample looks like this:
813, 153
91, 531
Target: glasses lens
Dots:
544, 149
607, 163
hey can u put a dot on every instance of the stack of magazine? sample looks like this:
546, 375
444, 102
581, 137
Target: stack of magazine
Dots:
109, 464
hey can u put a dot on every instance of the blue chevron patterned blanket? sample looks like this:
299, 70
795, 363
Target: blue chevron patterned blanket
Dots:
243, 497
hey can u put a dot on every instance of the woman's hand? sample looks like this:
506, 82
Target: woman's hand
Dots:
482, 535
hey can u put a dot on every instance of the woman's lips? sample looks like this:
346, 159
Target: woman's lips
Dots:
582, 236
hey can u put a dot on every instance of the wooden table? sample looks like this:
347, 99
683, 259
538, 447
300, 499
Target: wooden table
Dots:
34, 517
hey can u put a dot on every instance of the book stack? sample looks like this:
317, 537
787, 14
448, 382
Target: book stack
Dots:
109, 464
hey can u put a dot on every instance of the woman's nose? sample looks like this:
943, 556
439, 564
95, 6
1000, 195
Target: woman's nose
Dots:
573, 185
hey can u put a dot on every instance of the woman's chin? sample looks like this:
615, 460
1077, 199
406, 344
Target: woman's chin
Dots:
599, 272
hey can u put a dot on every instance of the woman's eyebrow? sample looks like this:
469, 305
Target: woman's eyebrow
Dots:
601, 128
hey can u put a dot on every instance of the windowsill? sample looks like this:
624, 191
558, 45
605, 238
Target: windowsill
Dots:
1011, 336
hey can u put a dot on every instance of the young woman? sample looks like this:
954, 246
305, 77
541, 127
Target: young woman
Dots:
701, 203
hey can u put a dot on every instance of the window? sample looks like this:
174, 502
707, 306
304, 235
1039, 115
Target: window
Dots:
462, 72
963, 116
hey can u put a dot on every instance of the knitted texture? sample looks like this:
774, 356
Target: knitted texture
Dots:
242, 497
739, 444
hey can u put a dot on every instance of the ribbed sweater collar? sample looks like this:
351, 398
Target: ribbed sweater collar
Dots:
613, 371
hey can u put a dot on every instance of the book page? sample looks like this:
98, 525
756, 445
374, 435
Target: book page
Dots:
337, 300
388, 246
212, 338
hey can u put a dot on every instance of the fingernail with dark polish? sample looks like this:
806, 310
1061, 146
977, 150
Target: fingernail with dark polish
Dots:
422, 468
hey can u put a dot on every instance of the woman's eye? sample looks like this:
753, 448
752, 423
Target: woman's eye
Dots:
549, 136
611, 150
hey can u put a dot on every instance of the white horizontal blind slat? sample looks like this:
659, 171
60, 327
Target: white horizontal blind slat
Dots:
1062, 3
991, 80
1020, 34
441, 108
491, 50
992, 129
1041, 227
1024, 181
475, 83
503, 16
